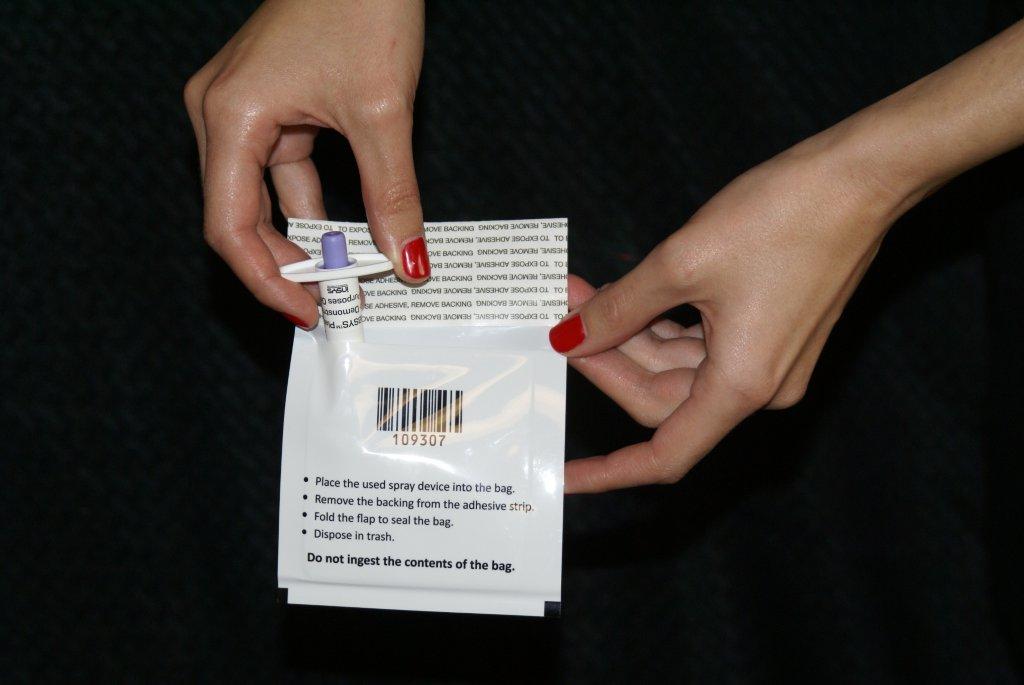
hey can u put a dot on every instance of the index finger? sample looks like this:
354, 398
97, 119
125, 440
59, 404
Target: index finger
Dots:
232, 214
690, 432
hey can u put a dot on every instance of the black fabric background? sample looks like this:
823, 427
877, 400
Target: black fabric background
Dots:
871, 534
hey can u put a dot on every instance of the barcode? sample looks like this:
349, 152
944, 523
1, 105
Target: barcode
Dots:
419, 410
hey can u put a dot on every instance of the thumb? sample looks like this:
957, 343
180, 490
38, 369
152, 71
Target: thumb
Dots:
619, 310
391, 195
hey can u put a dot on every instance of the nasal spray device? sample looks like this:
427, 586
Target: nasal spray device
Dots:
424, 431
338, 275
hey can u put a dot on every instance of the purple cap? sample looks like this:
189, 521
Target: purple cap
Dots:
334, 249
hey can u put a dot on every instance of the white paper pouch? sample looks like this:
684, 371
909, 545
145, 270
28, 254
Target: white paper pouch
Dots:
422, 466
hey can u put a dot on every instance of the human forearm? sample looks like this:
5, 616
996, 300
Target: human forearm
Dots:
955, 118
770, 263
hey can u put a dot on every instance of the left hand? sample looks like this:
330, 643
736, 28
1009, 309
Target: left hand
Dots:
769, 262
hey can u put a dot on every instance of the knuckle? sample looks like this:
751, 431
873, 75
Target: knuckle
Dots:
753, 385
661, 467
613, 306
225, 101
400, 197
666, 472
788, 397
217, 100
675, 261
192, 94
650, 416
212, 238
383, 109
670, 479
659, 401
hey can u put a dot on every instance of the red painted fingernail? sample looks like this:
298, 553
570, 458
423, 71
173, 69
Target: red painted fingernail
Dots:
568, 334
296, 321
415, 260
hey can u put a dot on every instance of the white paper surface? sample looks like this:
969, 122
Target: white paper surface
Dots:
497, 273
455, 502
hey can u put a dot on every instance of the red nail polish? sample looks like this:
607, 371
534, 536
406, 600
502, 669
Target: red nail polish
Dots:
296, 321
568, 334
415, 260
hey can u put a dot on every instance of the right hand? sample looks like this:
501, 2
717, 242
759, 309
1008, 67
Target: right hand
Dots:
297, 66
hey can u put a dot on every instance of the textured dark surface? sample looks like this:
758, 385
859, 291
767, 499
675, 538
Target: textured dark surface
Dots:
871, 534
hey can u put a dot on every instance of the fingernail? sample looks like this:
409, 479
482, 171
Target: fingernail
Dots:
296, 321
415, 260
568, 334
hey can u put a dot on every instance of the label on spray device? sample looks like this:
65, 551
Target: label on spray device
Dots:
422, 467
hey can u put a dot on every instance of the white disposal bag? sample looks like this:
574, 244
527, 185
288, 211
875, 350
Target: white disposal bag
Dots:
422, 467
